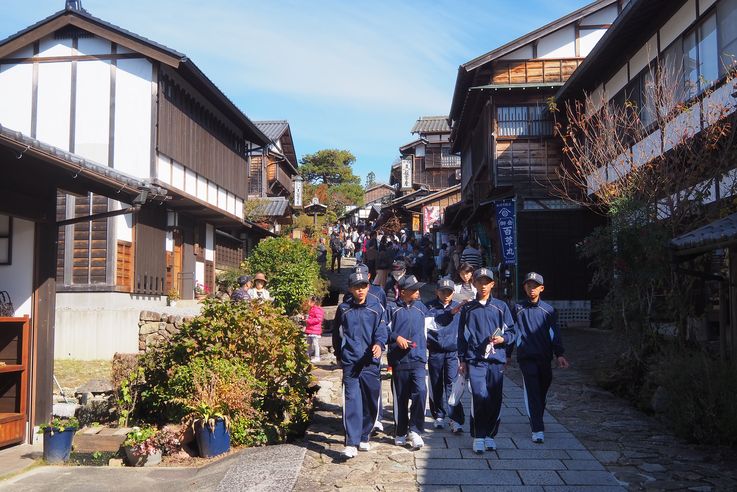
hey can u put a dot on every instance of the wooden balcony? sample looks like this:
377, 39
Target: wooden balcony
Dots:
534, 71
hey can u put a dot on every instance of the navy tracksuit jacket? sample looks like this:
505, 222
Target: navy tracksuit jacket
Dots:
442, 360
356, 329
408, 365
538, 340
477, 323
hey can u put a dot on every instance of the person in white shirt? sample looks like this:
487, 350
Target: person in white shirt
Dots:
258, 291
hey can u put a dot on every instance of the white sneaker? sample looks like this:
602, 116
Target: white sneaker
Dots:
416, 440
439, 423
400, 440
350, 452
478, 446
315, 359
455, 427
489, 443
378, 427
538, 437
364, 446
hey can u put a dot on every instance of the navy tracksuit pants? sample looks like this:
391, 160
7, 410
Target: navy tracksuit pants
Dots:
536, 377
486, 397
361, 388
408, 385
443, 369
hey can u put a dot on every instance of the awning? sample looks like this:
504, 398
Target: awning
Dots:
718, 234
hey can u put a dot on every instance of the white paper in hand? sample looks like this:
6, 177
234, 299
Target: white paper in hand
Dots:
456, 392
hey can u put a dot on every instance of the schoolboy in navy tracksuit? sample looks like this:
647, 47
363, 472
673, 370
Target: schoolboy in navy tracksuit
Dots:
407, 355
359, 337
485, 326
442, 361
538, 340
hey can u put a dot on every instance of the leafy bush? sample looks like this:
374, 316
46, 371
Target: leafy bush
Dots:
701, 396
291, 268
256, 355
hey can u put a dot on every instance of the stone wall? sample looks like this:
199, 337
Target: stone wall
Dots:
156, 328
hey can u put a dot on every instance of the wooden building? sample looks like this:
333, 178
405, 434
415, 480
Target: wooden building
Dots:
432, 164
109, 96
696, 41
379, 193
501, 126
274, 167
29, 230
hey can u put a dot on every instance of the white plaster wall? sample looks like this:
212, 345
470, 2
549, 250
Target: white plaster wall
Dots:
212, 193
96, 325
559, 44
719, 103
644, 56
169, 241
683, 126
603, 16
163, 168
133, 117
92, 118
201, 188
588, 39
93, 46
617, 82
17, 278
49, 46
222, 199
420, 150
199, 272
123, 224
209, 243
677, 24
705, 4
522, 53
177, 175
190, 182
54, 100
238, 207
15, 112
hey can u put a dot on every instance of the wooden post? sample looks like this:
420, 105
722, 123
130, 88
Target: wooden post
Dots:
730, 345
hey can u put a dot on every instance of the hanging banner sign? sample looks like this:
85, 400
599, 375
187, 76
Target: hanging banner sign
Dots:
406, 170
506, 222
430, 216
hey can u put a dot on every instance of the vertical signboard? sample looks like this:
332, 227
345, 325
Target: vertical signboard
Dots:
506, 221
406, 168
298, 193
430, 215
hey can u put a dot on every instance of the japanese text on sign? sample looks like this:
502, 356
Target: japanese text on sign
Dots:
505, 221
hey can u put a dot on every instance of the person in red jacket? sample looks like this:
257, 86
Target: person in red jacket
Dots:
313, 327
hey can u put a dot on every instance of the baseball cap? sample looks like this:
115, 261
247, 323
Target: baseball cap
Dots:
361, 268
410, 282
534, 277
483, 272
358, 279
398, 265
243, 279
446, 283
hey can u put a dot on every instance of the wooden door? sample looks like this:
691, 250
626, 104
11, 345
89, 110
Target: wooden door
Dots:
176, 267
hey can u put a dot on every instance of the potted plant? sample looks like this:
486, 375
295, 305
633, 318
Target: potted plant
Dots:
142, 447
201, 291
58, 436
172, 297
208, 414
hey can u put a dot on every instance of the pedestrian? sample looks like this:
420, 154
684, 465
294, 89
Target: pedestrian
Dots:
485, 327
359, 338
350, 248
241, 293
391, 288
464, 289
371, 254
258, 291
407, 356
336, 250
313, 327
455, 259
442, 361
471, 254
538, 342
384, 261
375, 294
441, 259
322, 253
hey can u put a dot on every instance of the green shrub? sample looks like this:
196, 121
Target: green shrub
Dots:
291, 268
701, 396
253, 343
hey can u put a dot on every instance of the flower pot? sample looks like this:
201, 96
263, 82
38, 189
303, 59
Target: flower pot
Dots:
212, 442
134, 459
58, 444
171, 302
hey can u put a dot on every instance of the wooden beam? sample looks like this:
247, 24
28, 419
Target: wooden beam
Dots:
103, 215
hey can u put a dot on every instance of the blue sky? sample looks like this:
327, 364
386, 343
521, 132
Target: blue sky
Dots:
350, 74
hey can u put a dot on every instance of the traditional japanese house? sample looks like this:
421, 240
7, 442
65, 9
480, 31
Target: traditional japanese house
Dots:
133, 106
691, 46
501, 126
274, 167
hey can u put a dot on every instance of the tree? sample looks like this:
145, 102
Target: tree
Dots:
329, 166
370, 180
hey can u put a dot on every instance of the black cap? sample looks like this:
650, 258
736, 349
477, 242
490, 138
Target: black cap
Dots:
534, 277
483, 272
243, 279
446, 284
399, 265
358, 279
410, 282
361, 268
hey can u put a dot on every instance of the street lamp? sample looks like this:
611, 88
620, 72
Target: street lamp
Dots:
315, 208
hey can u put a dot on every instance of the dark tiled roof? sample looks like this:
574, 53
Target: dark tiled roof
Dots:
431, 124
272, 129
715, 235
271, 206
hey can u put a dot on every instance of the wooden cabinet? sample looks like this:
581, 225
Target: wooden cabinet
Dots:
14, 337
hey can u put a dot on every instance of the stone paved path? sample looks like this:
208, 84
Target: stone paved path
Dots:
446, 462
